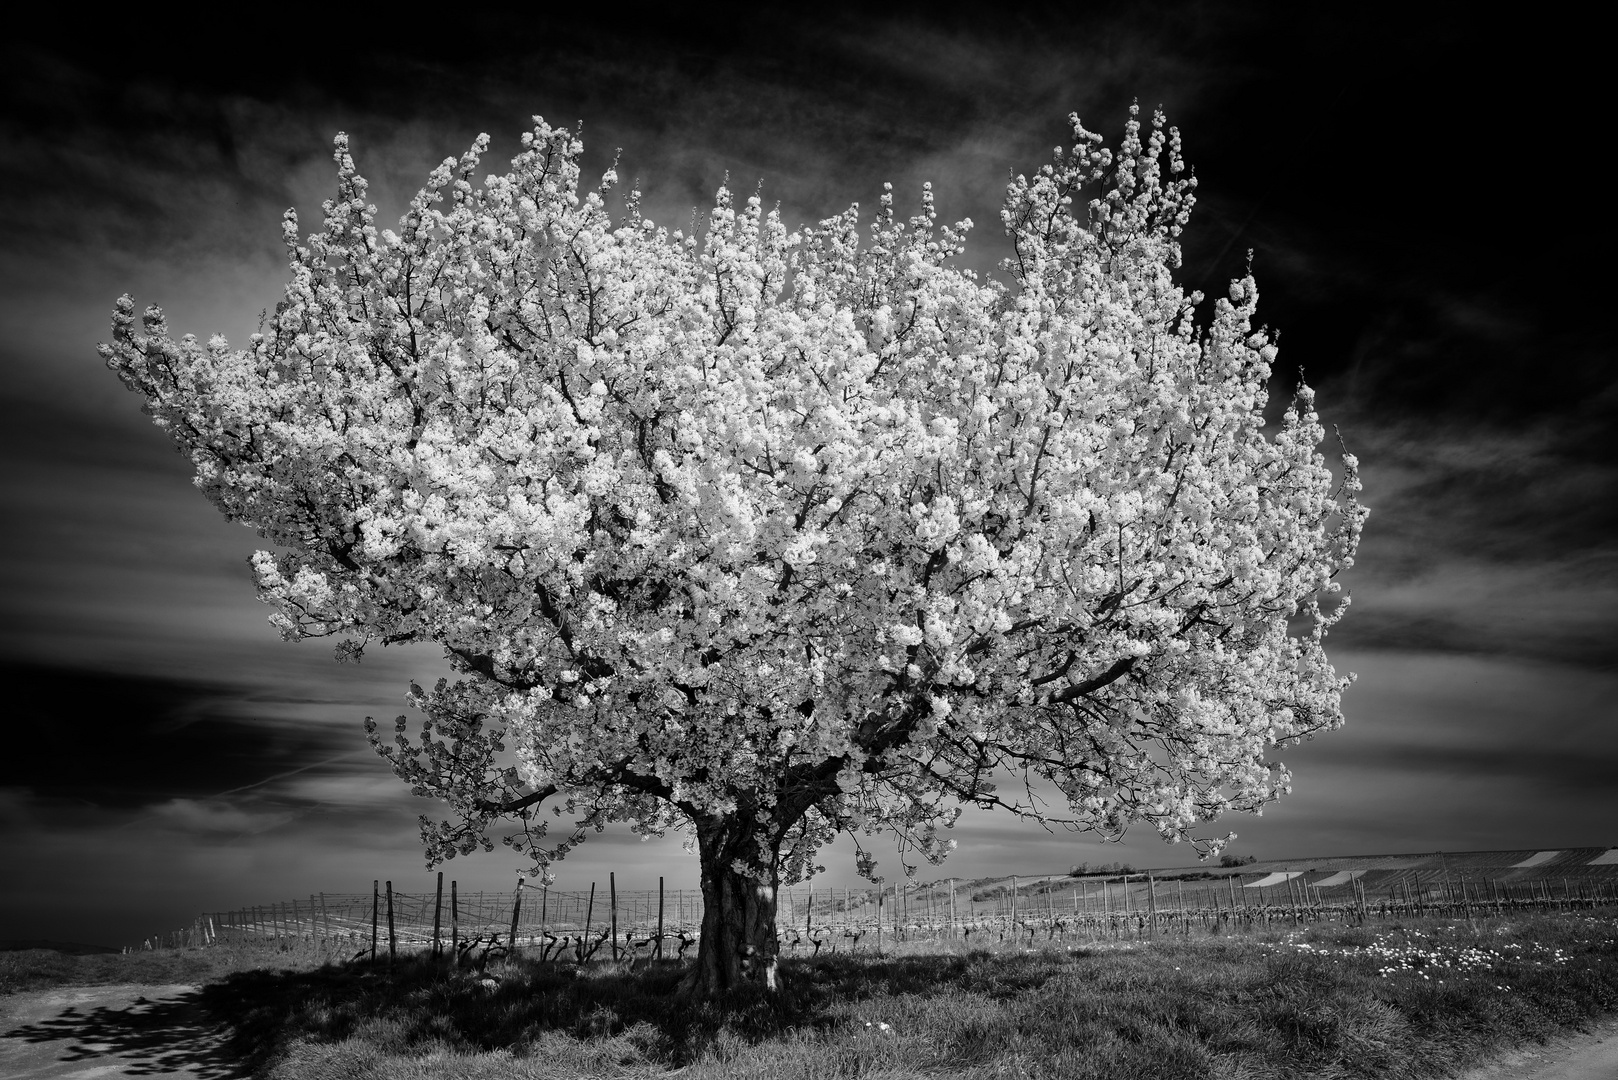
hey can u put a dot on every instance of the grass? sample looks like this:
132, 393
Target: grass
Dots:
1395, 1001
41, 969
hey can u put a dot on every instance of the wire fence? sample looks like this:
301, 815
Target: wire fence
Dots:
579, 925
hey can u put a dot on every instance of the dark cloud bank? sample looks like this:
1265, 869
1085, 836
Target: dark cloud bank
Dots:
1410, 186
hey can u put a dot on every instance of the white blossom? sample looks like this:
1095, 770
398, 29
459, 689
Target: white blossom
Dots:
794, 532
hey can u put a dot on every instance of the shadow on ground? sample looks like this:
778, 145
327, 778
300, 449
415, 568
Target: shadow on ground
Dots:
164, 1034
1175, 1010
417, 1004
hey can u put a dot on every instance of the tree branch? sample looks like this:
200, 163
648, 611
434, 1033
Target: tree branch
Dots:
1089, 686
533, 798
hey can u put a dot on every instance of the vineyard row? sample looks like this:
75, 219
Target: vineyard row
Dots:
580, 925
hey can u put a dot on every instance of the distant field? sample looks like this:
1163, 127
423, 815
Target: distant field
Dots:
72, 948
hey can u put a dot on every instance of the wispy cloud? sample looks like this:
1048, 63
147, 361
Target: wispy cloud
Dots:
213, 816
1485, 539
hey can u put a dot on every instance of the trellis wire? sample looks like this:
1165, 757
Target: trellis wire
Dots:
579, 923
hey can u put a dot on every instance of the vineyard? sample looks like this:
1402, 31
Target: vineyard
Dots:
579, 925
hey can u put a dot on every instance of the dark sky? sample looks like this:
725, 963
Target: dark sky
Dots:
1421, 192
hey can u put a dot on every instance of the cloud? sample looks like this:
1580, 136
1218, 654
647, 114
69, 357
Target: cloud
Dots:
1502, 493
212, 816
125, 741
367, 785
1484, 540
1562, 613
1452, 752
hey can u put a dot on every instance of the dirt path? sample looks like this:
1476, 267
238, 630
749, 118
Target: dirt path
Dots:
108, 1031
1592, 1056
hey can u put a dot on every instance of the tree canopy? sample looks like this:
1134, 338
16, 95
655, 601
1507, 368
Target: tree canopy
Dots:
771, 535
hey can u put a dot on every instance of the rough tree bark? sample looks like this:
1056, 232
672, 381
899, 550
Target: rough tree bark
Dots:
738, 951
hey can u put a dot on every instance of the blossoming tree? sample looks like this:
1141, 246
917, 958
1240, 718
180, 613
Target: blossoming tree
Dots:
770, 536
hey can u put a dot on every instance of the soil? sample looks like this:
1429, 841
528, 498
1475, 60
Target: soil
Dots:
1591, 1055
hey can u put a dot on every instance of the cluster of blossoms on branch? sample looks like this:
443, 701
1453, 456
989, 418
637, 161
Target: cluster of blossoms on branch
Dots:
803, 532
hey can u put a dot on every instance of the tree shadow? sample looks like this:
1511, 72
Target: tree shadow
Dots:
146, 1038
415, 1003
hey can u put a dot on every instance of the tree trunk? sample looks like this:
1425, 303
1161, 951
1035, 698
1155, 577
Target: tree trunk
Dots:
738, 949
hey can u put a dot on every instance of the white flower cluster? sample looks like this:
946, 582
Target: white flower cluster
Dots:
1414, 953
806, 531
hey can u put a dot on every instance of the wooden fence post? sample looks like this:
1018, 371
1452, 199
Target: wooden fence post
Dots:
375, 887
657, 947
1151, 901
438, 912
516, 910
589, 911
392, 937
612, 905
454, 919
